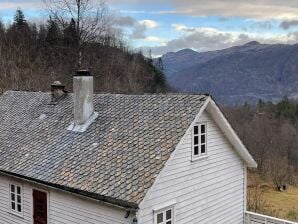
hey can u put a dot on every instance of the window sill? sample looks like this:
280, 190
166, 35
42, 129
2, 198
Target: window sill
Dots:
196, 158
20, 215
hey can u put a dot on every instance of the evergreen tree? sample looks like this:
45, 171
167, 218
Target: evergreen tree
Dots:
261, 104
246, 106
2, 29
70, 34
53, 33
160, 64
20, 33
19, 19
159, 76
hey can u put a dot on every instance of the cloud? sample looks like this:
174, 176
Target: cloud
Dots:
154, 39
150, 24
265, 9
141, 27
288, 24
207, 39
138, 28
256, 9
182, 28
139, 32
258, 26
124, 21
7, 5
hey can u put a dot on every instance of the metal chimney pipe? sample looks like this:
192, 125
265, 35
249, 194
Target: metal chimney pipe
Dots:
83, 96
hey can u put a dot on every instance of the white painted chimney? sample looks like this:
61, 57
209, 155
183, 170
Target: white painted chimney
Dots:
83, 109
83, 96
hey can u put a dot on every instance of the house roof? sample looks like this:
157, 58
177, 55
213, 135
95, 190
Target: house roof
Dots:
116, 160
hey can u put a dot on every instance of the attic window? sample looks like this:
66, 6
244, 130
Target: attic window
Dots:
164, 216
199, 140
15, 199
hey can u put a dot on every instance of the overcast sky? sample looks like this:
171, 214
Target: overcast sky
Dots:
171, 25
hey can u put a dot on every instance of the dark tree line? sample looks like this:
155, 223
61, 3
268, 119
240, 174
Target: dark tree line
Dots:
33, 56
270, 131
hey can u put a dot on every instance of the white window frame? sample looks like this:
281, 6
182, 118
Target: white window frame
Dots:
199, 145
163, 211
10, 201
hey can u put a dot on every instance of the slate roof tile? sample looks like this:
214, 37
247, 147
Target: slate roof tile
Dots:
120, 154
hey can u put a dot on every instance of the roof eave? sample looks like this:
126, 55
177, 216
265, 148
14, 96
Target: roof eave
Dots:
105, 199
231, 135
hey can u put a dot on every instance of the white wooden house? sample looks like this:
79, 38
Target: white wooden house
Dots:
111, 158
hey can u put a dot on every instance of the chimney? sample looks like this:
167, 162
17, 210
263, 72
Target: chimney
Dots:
58, 92
83, 96
83, 109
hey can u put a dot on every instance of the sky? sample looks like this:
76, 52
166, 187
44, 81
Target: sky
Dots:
170, 25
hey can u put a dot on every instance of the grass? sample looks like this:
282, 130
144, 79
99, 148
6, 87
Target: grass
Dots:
282, 204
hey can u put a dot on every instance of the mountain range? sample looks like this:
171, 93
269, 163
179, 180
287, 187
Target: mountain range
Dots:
238, 74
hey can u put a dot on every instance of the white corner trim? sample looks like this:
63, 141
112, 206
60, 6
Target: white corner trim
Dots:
245, 186
83, 127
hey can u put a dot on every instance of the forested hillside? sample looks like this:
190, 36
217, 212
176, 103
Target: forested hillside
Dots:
33, 56
270, 132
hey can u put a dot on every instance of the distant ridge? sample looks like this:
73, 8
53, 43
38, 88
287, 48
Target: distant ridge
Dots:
252, 43
238, 74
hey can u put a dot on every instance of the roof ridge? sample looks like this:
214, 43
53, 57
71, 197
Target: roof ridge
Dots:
122, 94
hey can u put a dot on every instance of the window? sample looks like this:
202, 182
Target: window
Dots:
164, 216
15, 195
200, 140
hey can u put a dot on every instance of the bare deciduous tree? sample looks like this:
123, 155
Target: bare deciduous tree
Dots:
91, 19
281, 172
255, 195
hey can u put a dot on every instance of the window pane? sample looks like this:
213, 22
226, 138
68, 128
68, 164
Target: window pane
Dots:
169, 214
19, 190
203, 139
160, 218
196, 140
12, 188
203, 149
203, 128
196, 150
19, 208
19, 199
169, 222
196, 130
13, 206
13, 196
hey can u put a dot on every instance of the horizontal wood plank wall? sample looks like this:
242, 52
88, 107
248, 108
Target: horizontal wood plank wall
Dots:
64, 208
206, 191
5, 216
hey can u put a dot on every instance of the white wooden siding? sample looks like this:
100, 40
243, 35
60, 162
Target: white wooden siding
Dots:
206, 191
63, 208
